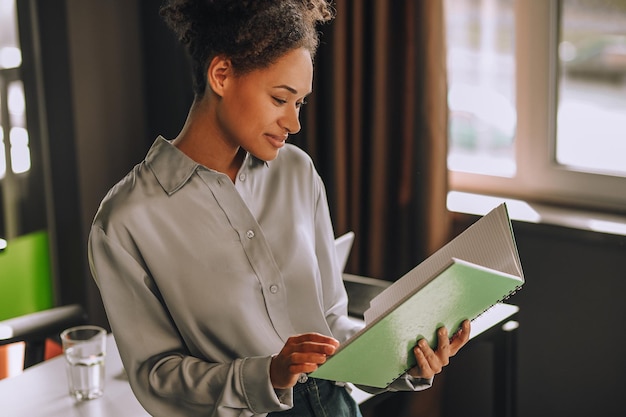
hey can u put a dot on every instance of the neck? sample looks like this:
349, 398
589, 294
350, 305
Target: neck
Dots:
202, 141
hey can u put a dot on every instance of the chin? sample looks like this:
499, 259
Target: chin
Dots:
271, 154
266, 156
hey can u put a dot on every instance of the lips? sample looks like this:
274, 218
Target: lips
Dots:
278, 141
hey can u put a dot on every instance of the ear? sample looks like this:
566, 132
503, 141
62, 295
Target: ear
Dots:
220, 69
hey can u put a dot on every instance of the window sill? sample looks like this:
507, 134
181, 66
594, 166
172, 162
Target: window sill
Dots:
589, 221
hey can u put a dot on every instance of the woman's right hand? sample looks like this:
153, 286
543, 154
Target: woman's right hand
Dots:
301, 354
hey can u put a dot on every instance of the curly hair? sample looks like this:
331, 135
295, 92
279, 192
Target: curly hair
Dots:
251, 33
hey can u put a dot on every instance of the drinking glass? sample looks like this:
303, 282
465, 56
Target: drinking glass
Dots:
85, 348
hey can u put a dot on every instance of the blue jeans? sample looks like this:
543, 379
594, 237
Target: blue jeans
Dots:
320, 398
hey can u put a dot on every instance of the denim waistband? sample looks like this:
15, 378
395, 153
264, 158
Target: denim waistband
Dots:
309, 382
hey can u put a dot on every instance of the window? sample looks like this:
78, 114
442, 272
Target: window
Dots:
591, 118
537, 98
19, 182
481, 91
14, 142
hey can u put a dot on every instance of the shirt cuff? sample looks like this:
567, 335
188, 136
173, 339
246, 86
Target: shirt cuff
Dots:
258, 390
408, 383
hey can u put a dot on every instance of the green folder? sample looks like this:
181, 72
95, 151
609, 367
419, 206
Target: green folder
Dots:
383, 350
442, 291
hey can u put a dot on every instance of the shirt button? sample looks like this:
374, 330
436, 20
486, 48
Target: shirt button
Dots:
242, 177
250, 234
302, 378
274, 288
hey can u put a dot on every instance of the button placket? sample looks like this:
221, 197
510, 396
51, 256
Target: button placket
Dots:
231, 198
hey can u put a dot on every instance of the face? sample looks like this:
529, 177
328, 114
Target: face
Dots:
258, 110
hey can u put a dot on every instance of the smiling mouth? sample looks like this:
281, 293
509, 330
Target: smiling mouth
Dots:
277, 141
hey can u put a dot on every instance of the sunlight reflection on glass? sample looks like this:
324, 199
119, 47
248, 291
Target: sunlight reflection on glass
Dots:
481, 95
592, 87
3, 164
16, 102
9, 43
20, 152
10, 57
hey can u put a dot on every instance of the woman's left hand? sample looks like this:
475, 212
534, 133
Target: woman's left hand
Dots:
431, 362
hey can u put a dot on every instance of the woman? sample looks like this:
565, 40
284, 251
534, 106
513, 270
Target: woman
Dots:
215, 255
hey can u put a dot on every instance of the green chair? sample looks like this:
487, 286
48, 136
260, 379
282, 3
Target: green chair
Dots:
25, 288
25, 276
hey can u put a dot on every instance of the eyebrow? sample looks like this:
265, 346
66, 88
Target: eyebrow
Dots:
290, 89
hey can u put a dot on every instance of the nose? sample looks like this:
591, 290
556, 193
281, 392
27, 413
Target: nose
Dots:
291, 120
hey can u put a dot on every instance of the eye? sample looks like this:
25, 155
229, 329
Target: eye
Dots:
279, 101
301, 103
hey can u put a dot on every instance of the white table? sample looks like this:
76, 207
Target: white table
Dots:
41, 391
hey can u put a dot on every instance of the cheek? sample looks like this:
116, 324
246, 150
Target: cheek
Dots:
256, 120
246, 110
242, 123
251, 115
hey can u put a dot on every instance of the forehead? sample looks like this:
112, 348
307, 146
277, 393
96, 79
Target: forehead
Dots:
294, 69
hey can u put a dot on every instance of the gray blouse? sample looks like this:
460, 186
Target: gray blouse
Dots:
203, 279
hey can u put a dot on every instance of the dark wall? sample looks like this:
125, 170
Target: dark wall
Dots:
113, 79
571, 343
167, 76
107, 93
570, 355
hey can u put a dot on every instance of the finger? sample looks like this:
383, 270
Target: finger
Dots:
443, 347
432, 359
312, 347
307, 358
312, 342
422, 369
314, 337
302, 368
460, 338
443, 341
435, 359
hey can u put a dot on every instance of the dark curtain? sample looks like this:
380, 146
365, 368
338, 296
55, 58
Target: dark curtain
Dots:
376, 127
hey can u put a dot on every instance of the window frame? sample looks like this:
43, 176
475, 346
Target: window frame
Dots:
538, 177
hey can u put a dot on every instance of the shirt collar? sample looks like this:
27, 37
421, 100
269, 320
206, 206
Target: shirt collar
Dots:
172, 168
251, 161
